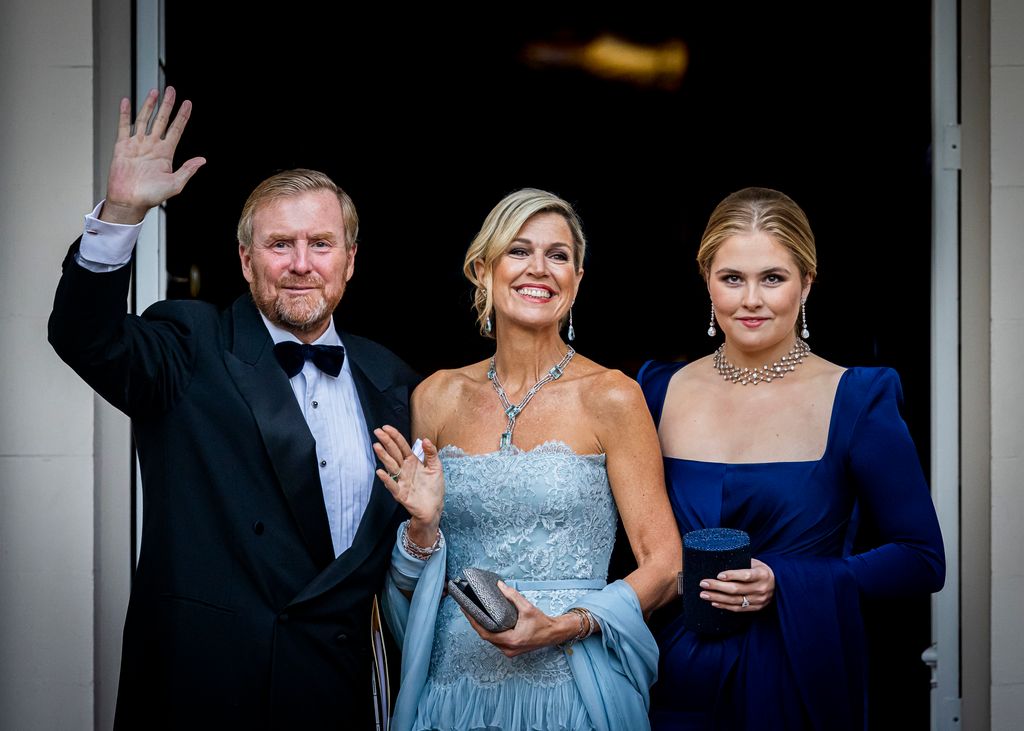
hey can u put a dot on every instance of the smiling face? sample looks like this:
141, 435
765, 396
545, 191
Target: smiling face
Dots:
534, 281
299, 263
756, 288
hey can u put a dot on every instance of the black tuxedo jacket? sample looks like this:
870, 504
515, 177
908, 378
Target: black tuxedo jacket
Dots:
240, 616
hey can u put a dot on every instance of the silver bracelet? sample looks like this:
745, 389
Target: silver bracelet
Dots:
414, 549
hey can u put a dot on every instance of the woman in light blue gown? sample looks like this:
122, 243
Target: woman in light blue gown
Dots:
542, 449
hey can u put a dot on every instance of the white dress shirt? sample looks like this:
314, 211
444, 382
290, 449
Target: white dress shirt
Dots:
343, 452
331, 406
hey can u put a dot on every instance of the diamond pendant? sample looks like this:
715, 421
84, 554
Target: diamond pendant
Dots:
506, 440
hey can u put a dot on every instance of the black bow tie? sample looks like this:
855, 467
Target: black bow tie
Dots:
292, 356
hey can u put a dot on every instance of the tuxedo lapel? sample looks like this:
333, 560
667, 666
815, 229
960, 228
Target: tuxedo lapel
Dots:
250, 361
382, 403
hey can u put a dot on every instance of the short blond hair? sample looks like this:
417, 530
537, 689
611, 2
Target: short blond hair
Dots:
294, 182
500, 229
760, 210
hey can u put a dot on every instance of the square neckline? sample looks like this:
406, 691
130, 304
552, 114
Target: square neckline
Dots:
829, 438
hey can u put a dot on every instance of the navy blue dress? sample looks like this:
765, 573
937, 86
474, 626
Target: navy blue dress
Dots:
801, 661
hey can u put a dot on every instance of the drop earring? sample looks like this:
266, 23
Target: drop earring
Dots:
487, 322
805, 333
572, 333
711, 325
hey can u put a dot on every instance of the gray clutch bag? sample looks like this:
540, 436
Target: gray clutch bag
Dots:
479, 595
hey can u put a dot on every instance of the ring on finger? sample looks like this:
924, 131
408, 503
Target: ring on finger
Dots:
745, 603
396, 475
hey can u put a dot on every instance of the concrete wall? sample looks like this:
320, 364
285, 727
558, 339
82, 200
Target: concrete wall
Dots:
1007, 332
65, 492
46, 413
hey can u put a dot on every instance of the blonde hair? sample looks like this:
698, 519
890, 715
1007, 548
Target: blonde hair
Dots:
294, 182
500, 229
765, 210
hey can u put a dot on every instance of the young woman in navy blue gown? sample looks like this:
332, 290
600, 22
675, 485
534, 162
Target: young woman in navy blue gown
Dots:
765, 436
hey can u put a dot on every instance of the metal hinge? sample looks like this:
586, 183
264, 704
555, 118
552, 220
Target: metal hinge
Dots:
947, 710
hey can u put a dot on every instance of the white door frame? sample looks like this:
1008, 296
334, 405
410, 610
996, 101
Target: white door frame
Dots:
944, 654
150, 276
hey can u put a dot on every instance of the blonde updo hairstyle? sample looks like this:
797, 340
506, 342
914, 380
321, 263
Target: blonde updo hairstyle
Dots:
500, 229
760, 209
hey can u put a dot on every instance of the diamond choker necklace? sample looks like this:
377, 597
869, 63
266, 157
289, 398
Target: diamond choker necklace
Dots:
778, 369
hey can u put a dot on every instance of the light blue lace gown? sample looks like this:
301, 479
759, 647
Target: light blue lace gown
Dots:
545, 521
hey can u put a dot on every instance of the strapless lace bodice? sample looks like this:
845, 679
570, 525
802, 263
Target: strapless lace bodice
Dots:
543, 514
546, 514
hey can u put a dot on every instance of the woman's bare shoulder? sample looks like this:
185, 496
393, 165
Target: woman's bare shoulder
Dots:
823, 373
697, 374
608, 391
448, 383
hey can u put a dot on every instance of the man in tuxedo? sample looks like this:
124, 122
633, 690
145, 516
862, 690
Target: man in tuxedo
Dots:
265, 531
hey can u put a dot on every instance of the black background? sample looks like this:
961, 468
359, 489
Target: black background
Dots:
428, 117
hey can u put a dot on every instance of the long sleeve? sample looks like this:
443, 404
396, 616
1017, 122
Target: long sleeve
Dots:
138, 364
106, 246
894, 496
818, 598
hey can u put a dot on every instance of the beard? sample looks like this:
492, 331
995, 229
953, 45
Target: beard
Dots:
302, 314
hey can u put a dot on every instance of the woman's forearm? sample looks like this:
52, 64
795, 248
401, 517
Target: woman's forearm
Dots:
654, 580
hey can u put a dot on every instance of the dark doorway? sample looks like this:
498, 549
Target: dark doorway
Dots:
427, 118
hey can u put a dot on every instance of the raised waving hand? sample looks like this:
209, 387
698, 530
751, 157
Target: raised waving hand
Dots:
142, 173
418, 487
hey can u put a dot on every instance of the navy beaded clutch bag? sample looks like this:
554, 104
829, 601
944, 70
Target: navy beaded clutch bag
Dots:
706, 553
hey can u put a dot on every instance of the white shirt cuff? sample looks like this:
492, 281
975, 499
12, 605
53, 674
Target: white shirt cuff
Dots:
106, 246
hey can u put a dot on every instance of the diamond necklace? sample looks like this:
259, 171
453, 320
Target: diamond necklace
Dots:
513, 410
778, 369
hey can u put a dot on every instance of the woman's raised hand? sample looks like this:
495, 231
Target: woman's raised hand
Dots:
419, 487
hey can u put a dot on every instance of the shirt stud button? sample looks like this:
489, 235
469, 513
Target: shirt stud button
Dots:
323, 463
315, 404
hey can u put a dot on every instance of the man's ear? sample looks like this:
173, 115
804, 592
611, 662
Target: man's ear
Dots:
245, 255
351, 266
